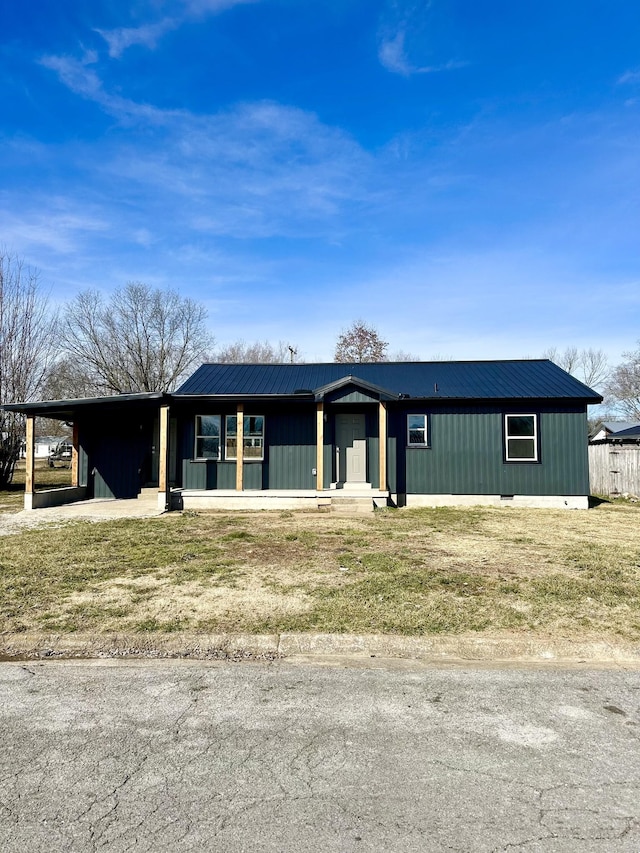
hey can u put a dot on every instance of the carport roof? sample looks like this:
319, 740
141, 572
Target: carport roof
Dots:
67, 409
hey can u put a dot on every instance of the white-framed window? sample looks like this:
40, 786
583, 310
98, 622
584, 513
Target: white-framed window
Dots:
521, 438
207, 437
253, 437
417, 431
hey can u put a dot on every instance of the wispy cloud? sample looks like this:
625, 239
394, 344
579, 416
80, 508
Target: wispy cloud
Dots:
393, 56
148, 35
630, 76
77, 76
259, 169
61, 229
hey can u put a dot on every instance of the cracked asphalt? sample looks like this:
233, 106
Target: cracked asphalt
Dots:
317, 756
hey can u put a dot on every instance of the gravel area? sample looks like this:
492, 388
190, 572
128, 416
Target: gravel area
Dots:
93, 510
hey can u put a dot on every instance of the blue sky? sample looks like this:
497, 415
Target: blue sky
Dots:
464, 175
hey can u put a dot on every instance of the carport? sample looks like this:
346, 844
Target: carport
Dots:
120, 446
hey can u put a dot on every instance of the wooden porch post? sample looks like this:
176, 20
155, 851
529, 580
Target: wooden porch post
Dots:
30, 463
74, 455
163, 460
382, 443
320, 447
240, 448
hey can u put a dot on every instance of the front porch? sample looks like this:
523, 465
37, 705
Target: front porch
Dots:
334, 499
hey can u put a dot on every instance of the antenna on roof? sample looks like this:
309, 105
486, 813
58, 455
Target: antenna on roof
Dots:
292, 352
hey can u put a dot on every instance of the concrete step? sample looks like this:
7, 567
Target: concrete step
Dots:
351, 505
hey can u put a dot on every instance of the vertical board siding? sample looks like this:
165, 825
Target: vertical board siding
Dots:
289, 452
291, 449
614, 469
466, 456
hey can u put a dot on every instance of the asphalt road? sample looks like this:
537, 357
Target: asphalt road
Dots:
196, 756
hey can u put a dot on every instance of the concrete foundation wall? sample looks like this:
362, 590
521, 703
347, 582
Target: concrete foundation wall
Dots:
533, 501
55, 497
254, 500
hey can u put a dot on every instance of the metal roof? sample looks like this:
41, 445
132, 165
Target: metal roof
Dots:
631, 432
435, 380
67, 409
616, 427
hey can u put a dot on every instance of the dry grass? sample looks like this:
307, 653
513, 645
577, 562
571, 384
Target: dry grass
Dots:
12, 499
495, 571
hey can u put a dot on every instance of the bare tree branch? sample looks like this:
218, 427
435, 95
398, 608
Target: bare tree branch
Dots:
260, 352
27, 341
623, 388
590, 366
140, 339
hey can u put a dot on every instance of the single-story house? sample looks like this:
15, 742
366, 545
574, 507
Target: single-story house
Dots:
43, 447
310, 435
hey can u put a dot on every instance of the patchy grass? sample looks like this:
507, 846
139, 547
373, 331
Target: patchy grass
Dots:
424, 571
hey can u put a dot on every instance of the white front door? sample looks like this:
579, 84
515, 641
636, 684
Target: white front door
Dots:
351, 449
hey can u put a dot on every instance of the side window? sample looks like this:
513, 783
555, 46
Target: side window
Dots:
207, 437
521, 438
253, 437
417, 431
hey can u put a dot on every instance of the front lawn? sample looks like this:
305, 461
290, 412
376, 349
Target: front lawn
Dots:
441, 571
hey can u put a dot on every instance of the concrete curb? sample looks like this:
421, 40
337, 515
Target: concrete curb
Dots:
292, 645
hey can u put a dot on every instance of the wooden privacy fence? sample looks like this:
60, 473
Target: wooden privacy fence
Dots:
614, 469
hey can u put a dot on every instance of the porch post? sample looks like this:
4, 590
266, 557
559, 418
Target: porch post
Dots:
163, 460
30, 463
319, 447
240, 448
74, 455
382, 443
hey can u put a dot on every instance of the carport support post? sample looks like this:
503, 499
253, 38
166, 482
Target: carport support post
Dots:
382, 443
240, 448
30, 462
74, 455
320, 447
163, 460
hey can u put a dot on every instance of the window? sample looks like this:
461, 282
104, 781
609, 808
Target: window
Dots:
207, 437
417, 434
521, 438
253, 437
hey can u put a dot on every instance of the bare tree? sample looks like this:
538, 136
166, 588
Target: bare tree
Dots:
623, 388
27, 340
260, 352
402, 355
67, 378
588, 365
140, 339
360, 343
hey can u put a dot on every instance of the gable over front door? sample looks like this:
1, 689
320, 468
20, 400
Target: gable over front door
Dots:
351, 448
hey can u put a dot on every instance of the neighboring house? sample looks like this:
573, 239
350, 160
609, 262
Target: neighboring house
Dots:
398, 433
615, 429
614, 459
44, 446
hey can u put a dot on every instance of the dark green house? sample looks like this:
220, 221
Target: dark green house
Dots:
311, 435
